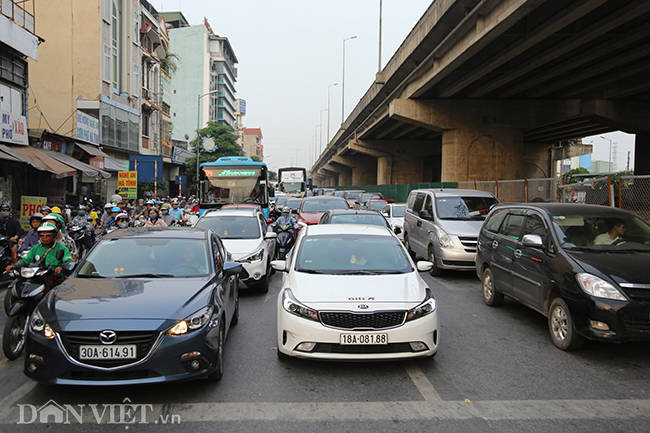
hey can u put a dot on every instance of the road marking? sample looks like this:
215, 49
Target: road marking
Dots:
422, 382
7, 404
3, 362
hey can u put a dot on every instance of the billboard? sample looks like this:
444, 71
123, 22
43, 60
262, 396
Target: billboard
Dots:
29, 206
127, 184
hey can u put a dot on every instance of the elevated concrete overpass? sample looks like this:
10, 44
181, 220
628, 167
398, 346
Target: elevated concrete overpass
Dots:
486, 89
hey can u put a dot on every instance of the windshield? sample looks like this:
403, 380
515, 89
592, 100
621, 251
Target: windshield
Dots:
231, 226
233, 184
323, 205
398, 211
354, 218
352, 254
279, 203
464, 208
377, 204
290, 187
293, 204
367, 196
607, 232
146, 257
339, 193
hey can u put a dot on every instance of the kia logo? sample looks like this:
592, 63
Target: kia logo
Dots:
362, 307
107, 337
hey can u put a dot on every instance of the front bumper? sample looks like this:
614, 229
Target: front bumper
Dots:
627, 321
253, 272
455, 259
47, 361
293, 330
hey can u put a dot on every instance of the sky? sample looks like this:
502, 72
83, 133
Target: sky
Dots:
291, 51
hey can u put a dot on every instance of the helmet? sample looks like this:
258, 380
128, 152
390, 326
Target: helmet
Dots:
108, 205
122, 216
56, 209
286, 209
82, 207
36, 215
54, 217
116, 209
5, 207
46, 209
150, 202
47, 227
164, 207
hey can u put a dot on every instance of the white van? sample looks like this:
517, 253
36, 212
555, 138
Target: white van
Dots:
443, 226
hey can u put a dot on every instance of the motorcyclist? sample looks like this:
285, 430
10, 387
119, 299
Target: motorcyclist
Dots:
31, 238
9, 226
84, 221
110, 221
286, 218
45, 250
122, 221
62, 238
176, 212
165, 215
154, 219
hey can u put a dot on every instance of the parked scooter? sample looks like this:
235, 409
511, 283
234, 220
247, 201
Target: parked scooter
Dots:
32, 283
5, 255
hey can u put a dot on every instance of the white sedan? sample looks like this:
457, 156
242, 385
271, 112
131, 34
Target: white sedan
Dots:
351, 292
394, 214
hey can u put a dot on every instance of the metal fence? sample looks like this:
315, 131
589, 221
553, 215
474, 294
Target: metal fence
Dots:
631, 193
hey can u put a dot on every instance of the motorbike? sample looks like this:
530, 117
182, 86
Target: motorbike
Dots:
32, 283
285, 240
191, 218
78, 235
5, 255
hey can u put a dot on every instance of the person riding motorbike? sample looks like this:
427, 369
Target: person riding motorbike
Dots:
154, 219
31, 238
84, 221
9, 226
122, 221
164, 214
66, 240
286, 218
110, 222
45, 250
176, 212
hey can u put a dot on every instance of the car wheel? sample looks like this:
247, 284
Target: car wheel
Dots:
13, 338
435, 270
490, 295
562, 328
218, 373
407, 244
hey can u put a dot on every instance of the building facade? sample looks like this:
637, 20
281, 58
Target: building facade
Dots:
253, 142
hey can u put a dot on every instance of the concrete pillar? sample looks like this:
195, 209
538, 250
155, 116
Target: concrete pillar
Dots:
345, 178
365, 173
384, 170
642, 153
491, 153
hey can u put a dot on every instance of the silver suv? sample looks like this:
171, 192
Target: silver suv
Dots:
443, 226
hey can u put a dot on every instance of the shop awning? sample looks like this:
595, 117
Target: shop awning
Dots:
8, 156
114, 164
41, 161
86, 169
90, 149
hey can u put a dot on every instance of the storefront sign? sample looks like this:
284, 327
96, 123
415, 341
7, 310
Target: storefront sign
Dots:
181, 155
56, 192
97, 162
14, 128
127, 184
28, 207
87, 128
51, 144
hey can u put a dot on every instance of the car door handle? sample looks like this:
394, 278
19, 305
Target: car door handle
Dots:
419, 224
495, 244
517, 254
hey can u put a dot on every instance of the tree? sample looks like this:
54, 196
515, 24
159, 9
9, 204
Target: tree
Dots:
225, 144
273, 176
256, 158
170, 63
569, 175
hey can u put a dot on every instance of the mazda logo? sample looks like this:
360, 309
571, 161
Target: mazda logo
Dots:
107, 337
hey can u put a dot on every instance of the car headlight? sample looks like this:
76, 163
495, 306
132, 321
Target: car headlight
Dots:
427, 307
291, 304
253, 258
39, 326
595, 286
191, 323
445, 240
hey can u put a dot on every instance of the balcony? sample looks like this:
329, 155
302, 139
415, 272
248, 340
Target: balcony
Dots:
18, 14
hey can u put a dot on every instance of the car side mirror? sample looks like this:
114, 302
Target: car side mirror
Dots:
279, 265
67, 268
534, 241
424, 266
270, 235
60, 254
397, 230
269, 221
232, 268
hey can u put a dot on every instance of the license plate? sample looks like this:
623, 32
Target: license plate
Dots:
118, 351
363, 339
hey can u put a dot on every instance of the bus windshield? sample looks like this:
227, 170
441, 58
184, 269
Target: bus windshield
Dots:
233, 184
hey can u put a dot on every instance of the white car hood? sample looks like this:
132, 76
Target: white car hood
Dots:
242, 247
335, 291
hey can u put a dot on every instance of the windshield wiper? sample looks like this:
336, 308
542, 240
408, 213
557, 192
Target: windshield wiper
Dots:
356, 272
146, 276
310, 271
90, 276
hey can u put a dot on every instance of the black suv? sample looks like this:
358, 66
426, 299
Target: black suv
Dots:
584, 267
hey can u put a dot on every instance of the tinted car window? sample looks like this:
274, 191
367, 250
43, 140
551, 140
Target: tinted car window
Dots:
535, 226
232, 227
419, 201
323, 205
373, 220
398, 211
495, 220
411, 201
464, 208
512, 226
428, 205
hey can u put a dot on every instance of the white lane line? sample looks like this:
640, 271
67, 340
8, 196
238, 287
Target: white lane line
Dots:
422, 382
7, 404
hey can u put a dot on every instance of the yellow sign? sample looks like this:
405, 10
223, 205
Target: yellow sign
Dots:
29, 206
127, 184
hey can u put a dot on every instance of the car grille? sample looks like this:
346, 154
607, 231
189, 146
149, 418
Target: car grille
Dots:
638, 295
362, 349
459, 263
381, 320
636, 325
144, 341
243, 275
469, 243
110, 375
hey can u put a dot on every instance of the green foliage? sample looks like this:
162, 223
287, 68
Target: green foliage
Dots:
170, 63
273, 176
225, 141
149, 186
569, 175
256, 158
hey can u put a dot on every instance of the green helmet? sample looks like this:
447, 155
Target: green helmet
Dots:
55, 216
47, 227
164, 206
